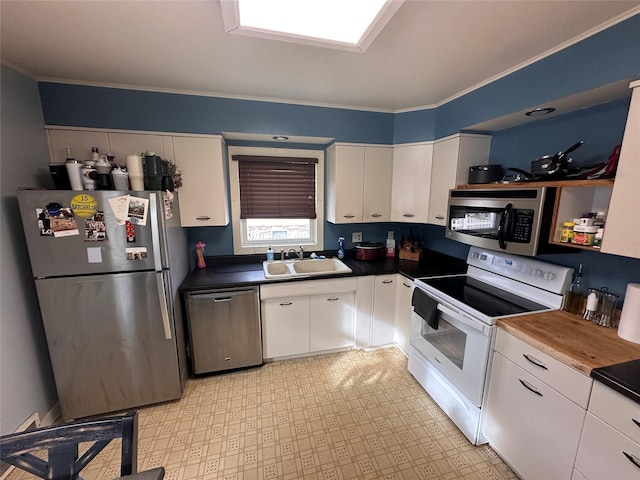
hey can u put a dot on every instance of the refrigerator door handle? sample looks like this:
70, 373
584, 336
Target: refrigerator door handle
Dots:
164, 310
155, 232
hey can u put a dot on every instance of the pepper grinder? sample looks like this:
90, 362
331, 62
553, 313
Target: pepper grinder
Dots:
200, 254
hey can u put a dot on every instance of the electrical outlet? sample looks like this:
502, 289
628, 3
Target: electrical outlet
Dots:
356, 237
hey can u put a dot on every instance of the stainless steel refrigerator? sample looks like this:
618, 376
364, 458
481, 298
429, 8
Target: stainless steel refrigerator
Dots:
107, 266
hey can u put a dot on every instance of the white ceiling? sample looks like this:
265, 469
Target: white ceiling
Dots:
429, 52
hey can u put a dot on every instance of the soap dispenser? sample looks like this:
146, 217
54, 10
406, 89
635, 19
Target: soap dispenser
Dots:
270, 254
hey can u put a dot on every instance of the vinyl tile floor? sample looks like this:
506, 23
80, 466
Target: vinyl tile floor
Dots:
348, 415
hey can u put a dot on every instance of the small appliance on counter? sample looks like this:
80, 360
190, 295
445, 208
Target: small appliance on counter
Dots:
369, 251
485, 174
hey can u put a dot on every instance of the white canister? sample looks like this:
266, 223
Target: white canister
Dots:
629, 326
135, 171
75, 177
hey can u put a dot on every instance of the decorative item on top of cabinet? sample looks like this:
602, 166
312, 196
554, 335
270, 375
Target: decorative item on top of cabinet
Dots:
411, 183
452, 157
358, 183
203, 199
622, 230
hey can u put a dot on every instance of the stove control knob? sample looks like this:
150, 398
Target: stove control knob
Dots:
475, 255
483, 257
536, 272
549, 276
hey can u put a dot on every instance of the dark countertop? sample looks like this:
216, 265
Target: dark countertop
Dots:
624, 378
244, 270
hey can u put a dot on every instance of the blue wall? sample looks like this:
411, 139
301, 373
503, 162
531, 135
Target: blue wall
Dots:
609, 56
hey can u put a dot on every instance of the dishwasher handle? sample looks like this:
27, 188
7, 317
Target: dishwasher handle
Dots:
222, 295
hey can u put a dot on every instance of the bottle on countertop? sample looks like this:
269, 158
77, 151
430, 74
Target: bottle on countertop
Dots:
341, 248
576, 295
95, 156
270, 254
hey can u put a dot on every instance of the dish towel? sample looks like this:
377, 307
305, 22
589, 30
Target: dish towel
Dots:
426, 307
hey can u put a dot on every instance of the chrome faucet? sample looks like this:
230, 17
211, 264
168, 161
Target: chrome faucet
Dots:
299, 254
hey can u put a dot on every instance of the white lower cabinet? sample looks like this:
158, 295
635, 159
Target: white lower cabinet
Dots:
308, 316
331, 321
384, 310
610, 442
404, 292
534, 427
286, 332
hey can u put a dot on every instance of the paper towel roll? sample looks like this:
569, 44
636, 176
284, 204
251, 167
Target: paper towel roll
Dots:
629, 327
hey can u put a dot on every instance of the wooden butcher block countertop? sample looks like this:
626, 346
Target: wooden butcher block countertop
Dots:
572, 340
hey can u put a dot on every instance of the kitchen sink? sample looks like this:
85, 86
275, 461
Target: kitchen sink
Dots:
303, 268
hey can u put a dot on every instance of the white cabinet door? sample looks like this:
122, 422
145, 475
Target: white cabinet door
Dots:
80, 142
384, 310
404, 291
345, 173
622, 228
452, 158
364, 310
411, 183
378, 172
203, 196
532, 426
285, 326
331, 321
123, 144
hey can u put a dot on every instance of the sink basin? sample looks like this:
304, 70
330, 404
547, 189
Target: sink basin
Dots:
303, 268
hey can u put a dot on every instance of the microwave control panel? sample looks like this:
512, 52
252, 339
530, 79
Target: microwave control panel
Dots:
523, 226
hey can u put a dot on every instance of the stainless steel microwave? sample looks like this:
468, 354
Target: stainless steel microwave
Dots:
514, 220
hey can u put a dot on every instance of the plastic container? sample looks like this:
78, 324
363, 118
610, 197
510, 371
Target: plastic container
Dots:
270, 254
567, 232
584, 235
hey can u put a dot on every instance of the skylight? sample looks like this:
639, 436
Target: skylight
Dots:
343, 24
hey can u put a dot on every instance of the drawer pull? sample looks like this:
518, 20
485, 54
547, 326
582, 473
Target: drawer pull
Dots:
349, 215
387, 281
286, 304
408, 286
333, 299
203, 217
632, 458
529, 387
222, 299
535, 361
376, 215
440, 217
636, 421
408, 215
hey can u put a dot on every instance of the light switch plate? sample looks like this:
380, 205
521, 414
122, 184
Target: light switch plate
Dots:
356, 237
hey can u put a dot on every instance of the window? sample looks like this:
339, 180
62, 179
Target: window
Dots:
276, 198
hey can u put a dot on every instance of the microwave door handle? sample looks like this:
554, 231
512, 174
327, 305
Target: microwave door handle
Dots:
503, 226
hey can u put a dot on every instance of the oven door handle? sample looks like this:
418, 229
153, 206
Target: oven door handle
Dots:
475, 324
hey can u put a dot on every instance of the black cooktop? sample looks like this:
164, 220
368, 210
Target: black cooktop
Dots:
623, 378
487, 299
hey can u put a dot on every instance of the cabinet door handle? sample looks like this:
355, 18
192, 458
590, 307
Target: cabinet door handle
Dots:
286, 304
333, 299
408, 215
203, 217
408, 286
632, 458
637, 422
349, 215
387, 281
529, 387
535, 361
376, 215
222, 299
440, 217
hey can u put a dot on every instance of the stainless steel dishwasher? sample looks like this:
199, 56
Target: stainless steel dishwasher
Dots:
224, 329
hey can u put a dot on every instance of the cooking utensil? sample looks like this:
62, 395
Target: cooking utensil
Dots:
369, 251
548, 166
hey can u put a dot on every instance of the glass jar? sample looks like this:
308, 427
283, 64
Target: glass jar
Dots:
566, 236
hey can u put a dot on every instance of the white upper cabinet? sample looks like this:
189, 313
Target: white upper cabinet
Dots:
123, 144
358, 183
411, 183
203, 196
452, 157
622, 228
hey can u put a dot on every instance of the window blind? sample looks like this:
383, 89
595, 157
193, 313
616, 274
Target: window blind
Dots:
277, 187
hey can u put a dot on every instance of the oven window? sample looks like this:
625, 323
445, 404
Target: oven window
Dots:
448, 340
